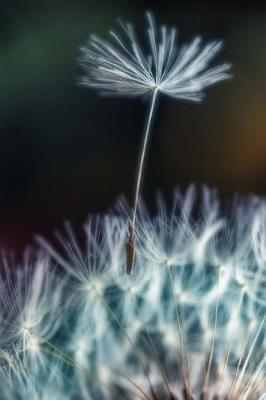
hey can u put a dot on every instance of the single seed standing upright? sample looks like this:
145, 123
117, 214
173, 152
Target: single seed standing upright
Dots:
121, 67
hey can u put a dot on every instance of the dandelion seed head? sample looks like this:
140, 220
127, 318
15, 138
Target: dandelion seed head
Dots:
122, 67
184, 320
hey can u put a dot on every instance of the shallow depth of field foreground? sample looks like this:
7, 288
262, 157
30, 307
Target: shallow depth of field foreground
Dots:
188, 323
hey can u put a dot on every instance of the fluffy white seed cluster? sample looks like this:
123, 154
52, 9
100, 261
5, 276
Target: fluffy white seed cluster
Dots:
121, 66
189, 323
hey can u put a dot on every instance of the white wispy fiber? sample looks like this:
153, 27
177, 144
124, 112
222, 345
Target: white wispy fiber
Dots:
122, 66
188, 323
31, 309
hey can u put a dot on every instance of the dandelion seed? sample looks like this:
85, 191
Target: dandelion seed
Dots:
121, 67
31, 307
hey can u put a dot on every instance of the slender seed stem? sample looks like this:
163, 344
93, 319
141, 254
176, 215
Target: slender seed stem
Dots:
131, 250
238, 382
185, 377
207, 376
234, 331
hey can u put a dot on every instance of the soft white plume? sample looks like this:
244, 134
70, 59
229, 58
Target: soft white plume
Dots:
121, 65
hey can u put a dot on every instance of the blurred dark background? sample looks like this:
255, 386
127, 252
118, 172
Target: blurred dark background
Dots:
66, 152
